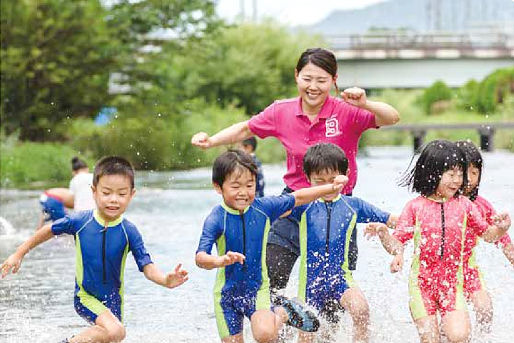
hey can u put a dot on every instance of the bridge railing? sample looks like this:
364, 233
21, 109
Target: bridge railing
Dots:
422, 41
485, 130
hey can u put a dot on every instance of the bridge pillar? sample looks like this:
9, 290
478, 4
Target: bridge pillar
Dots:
419, 139
486, 138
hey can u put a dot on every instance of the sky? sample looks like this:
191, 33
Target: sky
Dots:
289, 12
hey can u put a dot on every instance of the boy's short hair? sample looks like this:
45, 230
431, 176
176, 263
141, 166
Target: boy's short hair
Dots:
324, 156
113, 165
251, 142
228, 162
435, 158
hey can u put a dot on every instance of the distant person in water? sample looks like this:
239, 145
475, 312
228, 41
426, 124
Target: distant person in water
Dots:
103, 239
249, 146
80, 185
53, 203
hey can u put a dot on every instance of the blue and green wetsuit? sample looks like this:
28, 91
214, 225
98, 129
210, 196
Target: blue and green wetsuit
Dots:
325, 232
240, 290
101, 251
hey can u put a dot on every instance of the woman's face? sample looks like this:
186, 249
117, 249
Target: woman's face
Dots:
314, 86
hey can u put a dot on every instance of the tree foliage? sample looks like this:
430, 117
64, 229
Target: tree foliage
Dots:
56, 57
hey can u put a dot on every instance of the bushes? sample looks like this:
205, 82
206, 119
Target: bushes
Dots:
35, 164
437, 92
494, 89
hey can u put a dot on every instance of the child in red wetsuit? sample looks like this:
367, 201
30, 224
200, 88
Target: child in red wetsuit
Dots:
444, 226
474, 286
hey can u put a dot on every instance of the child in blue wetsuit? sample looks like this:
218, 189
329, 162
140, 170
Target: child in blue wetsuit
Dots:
239, 227
326, 227
103, 238
53, 203
249, 146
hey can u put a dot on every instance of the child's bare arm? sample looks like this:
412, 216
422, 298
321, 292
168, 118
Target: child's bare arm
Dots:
500, 227
306, 195
13, 262
170, 280
390, 243
206, 261
392, 220
508, 251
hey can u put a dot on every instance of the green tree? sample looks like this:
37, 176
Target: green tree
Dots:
56, 57
248, 65
436, 92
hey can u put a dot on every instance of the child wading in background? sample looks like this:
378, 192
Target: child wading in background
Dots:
445, 226
80, 185
103, 239
249, 146
53, 203
474, 285
239, 227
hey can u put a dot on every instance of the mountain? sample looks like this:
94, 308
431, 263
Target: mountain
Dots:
420, 16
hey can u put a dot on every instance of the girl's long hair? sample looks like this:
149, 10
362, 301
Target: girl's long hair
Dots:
435, 158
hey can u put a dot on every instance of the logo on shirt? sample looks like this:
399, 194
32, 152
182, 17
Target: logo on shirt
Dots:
332, 127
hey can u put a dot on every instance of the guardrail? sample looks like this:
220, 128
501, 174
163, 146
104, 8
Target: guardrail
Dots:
471, 40
485, 130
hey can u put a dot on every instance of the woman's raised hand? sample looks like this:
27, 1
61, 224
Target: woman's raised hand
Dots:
201, 140
354, 96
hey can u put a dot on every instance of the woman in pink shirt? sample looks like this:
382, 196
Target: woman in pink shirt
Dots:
312, 117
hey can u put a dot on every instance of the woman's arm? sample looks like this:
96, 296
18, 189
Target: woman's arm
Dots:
385, 114
232, 134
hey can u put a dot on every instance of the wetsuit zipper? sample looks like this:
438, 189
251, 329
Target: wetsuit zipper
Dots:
443, 230
103, 253
329, 213
244, 237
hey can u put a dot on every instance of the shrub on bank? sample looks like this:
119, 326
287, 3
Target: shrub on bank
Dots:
35, 165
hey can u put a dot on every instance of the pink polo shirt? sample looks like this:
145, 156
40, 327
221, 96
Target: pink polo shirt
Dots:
338, 122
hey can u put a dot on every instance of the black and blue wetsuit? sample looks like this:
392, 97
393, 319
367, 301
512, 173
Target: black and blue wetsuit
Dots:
240, 290
101, 251
325, 232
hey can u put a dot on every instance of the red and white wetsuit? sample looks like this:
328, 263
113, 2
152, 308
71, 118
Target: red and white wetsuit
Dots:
443, 233
473, 280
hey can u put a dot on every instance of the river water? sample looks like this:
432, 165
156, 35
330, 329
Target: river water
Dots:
36, 305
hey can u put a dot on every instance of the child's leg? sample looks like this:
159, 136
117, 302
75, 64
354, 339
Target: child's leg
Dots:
483, 307
355, 303
107, 329
305, 337
233, 339
428, 329
457, 326
266, 324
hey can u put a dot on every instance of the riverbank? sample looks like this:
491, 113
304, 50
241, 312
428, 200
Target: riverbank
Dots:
29, 165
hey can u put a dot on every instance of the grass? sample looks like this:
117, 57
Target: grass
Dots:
411, 111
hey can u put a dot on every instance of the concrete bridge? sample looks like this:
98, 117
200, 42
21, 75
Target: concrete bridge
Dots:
485, 130
406, 60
